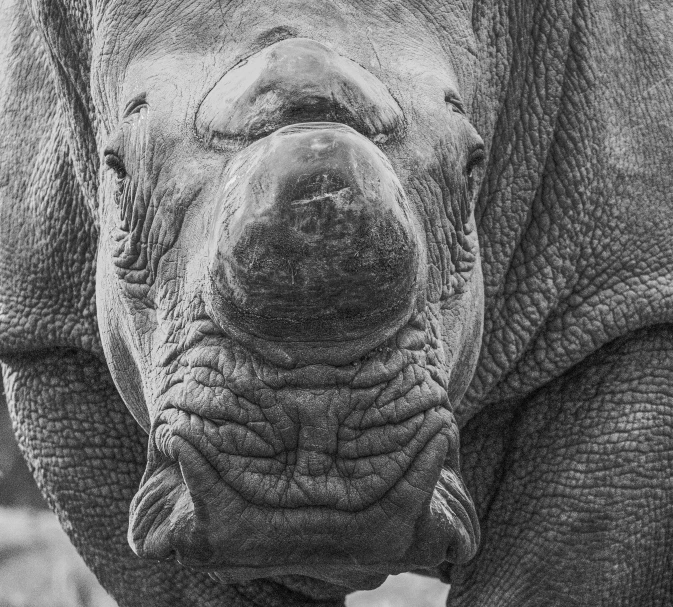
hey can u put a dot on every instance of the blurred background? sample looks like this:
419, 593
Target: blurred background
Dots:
40, 568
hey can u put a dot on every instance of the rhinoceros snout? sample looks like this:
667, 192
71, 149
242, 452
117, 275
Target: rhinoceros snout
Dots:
316, 241
296, 80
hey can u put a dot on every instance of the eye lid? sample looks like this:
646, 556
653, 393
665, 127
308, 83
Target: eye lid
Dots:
112, 157
476, 158
478, 152
135, 104
452, 98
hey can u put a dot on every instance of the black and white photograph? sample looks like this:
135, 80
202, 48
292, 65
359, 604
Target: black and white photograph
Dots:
336, 303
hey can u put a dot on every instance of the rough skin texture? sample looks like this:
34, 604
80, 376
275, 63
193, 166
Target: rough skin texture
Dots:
573, 485
77, 427
566, 427
17, 487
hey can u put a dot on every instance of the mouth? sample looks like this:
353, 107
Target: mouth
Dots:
344, 474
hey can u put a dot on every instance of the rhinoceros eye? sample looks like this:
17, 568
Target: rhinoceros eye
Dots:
126, 156
112, 161
454, 101
475, 161
135, 105
122, 197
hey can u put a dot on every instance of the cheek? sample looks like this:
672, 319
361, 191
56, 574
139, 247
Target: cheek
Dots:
138, 320
120, 340
463, 325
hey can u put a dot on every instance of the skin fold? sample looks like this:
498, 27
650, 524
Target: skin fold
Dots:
205, 379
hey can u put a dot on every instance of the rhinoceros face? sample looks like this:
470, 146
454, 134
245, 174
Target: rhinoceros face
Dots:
289, 286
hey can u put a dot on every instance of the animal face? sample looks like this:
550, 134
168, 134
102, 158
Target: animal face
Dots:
289, 289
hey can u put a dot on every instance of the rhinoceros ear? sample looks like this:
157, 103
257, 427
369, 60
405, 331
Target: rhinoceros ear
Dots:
47, 231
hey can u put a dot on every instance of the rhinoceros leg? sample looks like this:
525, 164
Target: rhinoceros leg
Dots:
88, 455
576, 487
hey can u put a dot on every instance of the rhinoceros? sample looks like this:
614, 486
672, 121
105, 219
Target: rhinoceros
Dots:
297, 295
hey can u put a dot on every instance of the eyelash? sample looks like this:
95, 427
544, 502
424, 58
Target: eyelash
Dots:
123, 192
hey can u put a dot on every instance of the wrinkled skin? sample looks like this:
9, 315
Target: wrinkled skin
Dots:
193, 352
17, 487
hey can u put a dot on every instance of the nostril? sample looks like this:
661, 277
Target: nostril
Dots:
294, 81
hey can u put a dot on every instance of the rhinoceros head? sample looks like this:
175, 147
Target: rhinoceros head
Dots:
288, 283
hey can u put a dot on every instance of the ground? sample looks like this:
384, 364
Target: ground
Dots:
40, 568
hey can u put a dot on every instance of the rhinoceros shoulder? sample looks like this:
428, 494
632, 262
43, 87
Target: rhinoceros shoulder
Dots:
575, 209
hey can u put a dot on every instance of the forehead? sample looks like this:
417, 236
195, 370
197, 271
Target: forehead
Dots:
385, 36
200, 23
